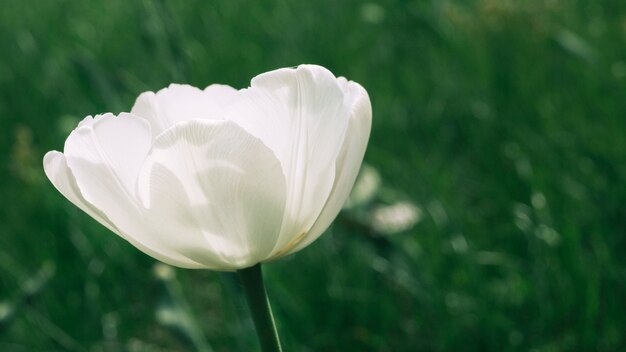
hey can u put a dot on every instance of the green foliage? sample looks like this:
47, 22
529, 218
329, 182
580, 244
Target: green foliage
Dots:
503, 122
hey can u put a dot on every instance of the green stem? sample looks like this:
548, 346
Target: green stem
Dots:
252, 281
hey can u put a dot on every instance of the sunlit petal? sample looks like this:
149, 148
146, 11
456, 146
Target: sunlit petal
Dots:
181, 102
349, 160
301, 115
104, 156
214, 192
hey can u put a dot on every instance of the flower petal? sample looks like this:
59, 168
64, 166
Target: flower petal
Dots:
55, 166
214, 193
301, 115
349, 159
180, 102
104, 155
120, 143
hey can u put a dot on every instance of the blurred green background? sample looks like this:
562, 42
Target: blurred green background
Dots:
491, 214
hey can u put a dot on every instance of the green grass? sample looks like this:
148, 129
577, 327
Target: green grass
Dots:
504, 122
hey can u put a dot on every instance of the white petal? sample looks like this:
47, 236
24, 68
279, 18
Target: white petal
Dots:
220, 94
349, 160
214, 192
147, 107
301, 115
104, 156
119, 142
55, 166
181, 102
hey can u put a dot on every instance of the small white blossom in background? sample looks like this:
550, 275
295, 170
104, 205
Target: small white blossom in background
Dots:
394, 218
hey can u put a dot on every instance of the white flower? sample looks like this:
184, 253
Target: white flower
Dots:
221, 178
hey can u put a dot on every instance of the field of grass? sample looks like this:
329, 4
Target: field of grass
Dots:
500, 125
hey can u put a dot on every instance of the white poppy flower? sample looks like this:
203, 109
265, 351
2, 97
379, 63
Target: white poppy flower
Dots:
221, 178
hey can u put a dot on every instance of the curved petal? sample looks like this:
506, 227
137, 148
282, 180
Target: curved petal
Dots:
181, 102
104, 155
213, 192
301, 115
121, 143
55, 167
147, 107
349, 160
